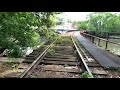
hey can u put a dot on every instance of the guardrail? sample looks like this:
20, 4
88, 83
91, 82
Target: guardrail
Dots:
91, 37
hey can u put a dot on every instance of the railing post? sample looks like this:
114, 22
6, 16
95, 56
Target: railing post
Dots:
85, 35
107, 41
90, 38
98, 42
93, 33
106, 45
93, 39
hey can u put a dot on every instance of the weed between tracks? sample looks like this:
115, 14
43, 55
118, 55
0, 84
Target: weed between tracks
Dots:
64, 41
62, 47
51, 52
14, 66
9, 69
85, 75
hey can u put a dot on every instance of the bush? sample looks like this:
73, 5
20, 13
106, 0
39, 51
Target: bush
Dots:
16, 52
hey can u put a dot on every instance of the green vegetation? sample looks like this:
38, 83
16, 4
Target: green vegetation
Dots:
82, 25
51, 52
60, 21
9, 63
101, 21
19, 30
85, 75
32, 76
59, 41
66, 65
64, 40
13, 65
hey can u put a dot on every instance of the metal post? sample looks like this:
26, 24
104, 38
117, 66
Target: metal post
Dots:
85, 35
107, 41
106, 45
99, 42
90, 38
93, 33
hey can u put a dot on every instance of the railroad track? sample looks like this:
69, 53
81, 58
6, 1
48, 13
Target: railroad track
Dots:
59, 57
64, 58
96, 69
68, 58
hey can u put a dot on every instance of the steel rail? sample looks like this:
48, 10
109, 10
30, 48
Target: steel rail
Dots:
83, 61
82, 50
30, 69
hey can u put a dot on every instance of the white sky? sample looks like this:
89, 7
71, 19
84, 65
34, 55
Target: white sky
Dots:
76, 16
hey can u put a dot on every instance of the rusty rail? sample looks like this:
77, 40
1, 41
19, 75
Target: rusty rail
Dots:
30, 69
83, 61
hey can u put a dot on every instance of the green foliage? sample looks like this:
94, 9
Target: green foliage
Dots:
101, 21
85, 75
51, 52
59, 21
104, 21
64, 41
59, 41
17, 30
66, 65
47, 20
32, 76
14, 66
82, 25
16, 52
10, 63
69, 21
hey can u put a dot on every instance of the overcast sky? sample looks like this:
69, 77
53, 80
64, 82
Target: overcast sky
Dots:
76, 16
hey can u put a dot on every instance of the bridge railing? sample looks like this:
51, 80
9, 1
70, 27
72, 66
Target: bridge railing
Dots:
92, 38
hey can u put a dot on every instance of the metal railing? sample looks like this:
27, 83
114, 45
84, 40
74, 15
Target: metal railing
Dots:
92, 38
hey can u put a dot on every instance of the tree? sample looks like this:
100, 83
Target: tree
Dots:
46, 21
69, 21
82, 25
60, 21
16, 32
104, 21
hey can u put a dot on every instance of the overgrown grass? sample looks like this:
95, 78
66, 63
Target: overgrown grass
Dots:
64, 40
